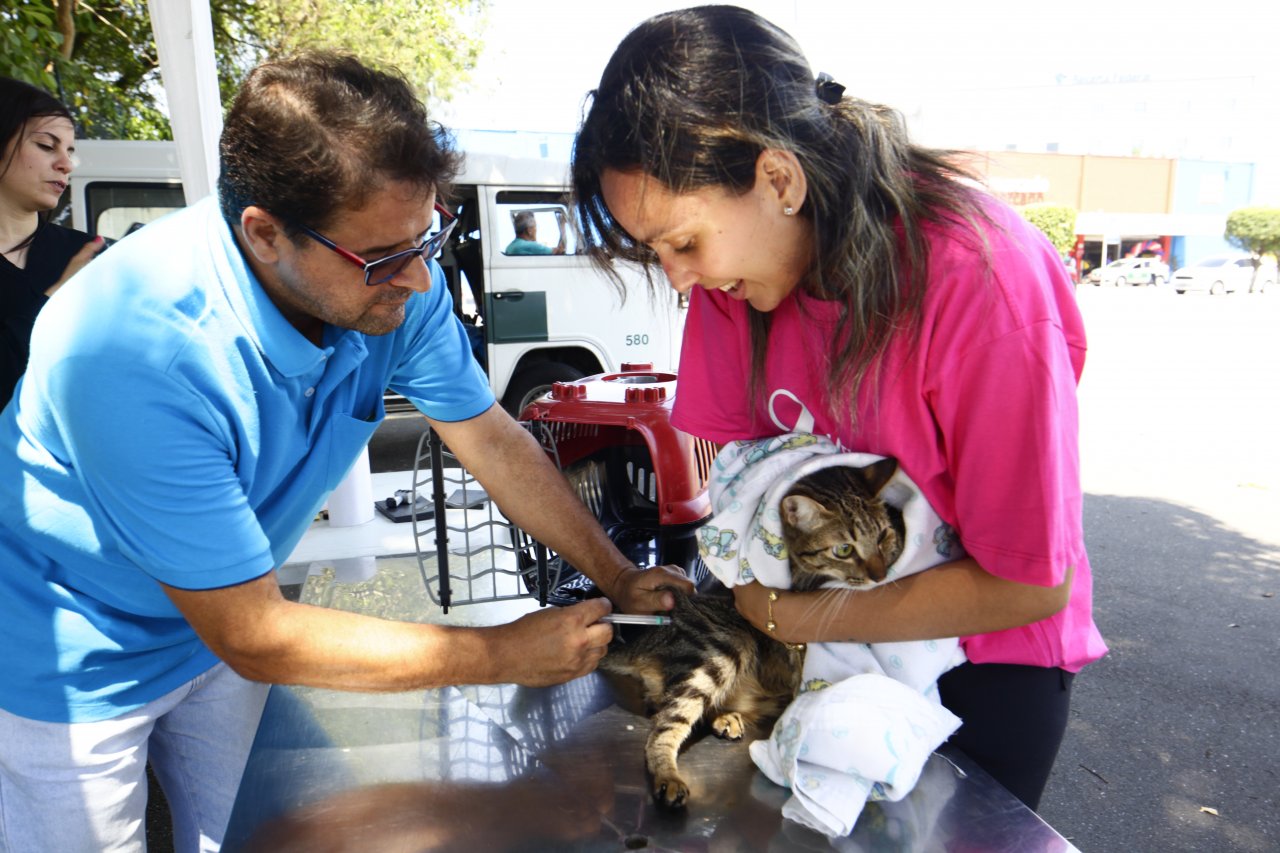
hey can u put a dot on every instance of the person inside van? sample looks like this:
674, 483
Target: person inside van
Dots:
192, 398
37, 143
526, 241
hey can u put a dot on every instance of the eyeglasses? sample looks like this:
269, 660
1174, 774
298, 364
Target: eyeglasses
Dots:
384, 269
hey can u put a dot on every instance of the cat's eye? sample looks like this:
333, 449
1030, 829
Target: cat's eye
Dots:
843, 551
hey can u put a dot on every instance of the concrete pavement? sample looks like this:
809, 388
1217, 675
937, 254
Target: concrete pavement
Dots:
1174, 740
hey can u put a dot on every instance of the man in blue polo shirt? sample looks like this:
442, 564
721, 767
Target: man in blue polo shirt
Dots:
192, 398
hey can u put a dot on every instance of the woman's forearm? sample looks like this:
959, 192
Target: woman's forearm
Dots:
954, 599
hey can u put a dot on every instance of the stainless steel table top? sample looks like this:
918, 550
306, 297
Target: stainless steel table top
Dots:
497, 768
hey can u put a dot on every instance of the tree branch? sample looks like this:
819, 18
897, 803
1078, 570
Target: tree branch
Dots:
65, 10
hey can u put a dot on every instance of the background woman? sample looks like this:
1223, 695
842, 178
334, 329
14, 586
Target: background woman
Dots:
37, 140
847, 282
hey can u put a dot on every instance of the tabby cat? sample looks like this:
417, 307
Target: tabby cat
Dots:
836, 527
710, 663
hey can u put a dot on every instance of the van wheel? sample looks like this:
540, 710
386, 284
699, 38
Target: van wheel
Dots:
531, 382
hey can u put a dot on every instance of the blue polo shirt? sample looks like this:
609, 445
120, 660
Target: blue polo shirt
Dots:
173, 426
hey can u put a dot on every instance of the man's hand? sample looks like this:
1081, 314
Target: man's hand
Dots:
638, 590
560, 222
553, 645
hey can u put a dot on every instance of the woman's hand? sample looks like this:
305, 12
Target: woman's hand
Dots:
752, 601
87, 253
648, 590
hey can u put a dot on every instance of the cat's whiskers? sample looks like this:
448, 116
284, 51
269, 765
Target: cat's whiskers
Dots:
822, 609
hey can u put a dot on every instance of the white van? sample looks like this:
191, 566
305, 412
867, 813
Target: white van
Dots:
541, 318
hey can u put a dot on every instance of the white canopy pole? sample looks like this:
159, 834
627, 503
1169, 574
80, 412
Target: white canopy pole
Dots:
184, 40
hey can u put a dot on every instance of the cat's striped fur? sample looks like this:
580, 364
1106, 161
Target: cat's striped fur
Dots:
711, 664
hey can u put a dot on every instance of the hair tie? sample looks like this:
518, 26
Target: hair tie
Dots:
827, 89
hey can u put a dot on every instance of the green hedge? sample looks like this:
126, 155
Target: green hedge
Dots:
1057, 221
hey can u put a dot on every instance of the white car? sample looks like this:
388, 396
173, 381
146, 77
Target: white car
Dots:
1131, 271
1224, 274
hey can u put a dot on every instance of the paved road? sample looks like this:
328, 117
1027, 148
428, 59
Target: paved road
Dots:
1180, 424
1174, 741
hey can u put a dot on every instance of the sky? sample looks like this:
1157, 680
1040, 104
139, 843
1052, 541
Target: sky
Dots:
541, 58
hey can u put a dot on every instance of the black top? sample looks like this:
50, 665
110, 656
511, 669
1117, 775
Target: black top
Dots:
22, 296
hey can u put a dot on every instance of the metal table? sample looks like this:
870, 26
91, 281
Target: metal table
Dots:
495, 768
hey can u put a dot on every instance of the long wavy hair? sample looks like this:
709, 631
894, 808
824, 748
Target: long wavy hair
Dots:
692, 97
319, 132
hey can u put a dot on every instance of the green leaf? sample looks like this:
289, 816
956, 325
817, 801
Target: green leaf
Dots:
1055, 221
112, 78
1255, 230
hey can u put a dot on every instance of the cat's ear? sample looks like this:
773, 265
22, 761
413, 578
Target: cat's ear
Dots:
878, 474
802, 513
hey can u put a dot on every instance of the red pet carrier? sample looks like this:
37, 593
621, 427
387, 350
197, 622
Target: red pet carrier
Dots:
645, 480
612, 437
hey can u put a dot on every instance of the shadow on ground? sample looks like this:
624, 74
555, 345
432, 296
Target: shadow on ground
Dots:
1174, 740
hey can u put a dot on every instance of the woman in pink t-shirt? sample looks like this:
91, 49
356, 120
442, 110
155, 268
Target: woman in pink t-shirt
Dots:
846, 282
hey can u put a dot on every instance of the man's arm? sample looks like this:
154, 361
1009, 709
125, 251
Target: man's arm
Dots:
564, 236
263, 637
520, 478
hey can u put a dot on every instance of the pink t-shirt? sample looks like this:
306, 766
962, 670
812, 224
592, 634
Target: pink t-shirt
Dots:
980, 411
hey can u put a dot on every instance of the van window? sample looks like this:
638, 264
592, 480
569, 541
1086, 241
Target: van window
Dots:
116, 208
542, 220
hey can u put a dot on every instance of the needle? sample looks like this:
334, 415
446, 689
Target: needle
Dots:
629, 619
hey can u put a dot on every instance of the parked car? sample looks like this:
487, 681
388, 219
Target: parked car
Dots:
1133, 271
1224, 274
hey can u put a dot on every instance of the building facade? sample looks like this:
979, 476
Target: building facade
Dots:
1174, 209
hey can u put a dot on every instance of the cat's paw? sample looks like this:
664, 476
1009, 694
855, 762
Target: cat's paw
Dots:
670, 792
729, 726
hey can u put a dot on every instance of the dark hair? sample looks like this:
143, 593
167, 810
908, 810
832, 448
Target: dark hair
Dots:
693, 97
19, 103
318, 133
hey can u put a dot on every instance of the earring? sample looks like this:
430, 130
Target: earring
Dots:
788, 211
